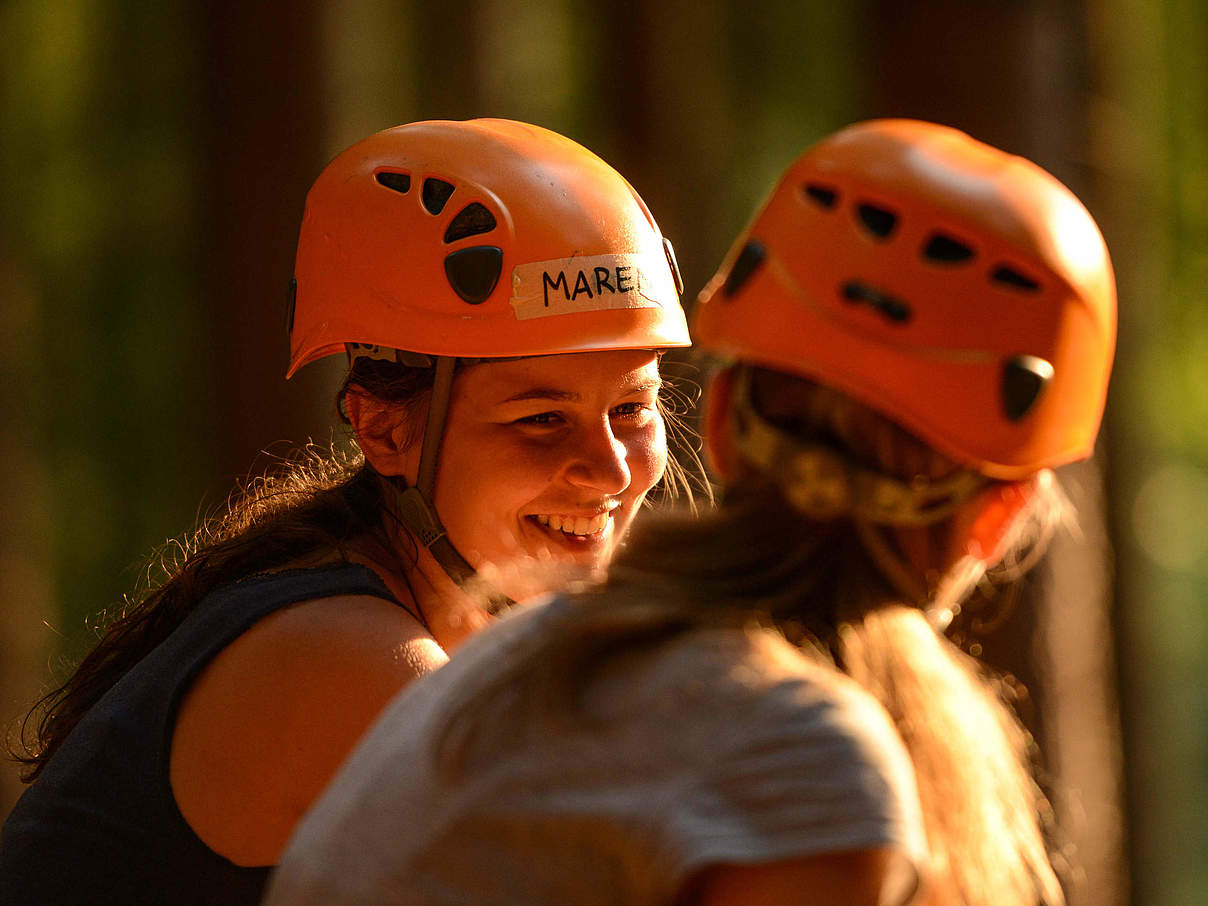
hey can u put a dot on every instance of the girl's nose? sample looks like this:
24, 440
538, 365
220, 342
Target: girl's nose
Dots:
597, 461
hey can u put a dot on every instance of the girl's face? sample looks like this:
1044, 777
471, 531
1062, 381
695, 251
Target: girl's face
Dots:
550, 457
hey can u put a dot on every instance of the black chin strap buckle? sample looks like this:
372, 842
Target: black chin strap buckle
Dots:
417, 514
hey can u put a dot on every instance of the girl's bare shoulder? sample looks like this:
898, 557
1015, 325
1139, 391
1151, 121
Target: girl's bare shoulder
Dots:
266, 724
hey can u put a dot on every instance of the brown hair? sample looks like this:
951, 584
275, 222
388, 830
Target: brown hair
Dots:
823, 585
318, 503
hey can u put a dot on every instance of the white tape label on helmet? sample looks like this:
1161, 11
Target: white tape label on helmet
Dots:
591, 283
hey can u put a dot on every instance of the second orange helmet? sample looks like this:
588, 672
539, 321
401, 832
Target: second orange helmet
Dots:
959, 290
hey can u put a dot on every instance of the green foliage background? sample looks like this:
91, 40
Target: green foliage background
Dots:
115, 437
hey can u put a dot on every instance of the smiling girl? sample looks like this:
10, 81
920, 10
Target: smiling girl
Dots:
503, 297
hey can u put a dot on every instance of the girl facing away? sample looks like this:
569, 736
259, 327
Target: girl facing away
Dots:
503, 297
760, 706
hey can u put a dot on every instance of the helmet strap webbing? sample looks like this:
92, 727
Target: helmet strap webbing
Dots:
822, 483
415, 504
434, 431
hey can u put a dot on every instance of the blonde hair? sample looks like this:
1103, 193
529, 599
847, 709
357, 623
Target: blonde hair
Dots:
859, 598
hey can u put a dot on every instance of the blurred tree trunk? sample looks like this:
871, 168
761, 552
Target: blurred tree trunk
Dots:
261, 134
447, 71
1009, 74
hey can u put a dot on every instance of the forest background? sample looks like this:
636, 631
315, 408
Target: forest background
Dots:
154, 158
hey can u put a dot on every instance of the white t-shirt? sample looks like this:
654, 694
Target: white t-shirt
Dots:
719, 746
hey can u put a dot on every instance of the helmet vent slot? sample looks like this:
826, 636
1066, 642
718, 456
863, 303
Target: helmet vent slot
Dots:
748, 261
473, 272
889, 307
673, 263
471, 220
1023, 378
400, 182
877, 220
943, 249
1008, 276
823, 196
291, 301
436, 194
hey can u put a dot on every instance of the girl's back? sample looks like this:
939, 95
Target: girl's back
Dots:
721, 745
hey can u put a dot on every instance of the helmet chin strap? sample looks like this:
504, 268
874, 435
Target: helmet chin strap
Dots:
415, 504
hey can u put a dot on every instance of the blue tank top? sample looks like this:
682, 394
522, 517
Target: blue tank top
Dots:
100, 824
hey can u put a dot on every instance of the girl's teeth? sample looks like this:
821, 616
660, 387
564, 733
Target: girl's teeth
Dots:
575, 525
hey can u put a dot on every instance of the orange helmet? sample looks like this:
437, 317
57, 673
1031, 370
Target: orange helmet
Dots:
485, 238
961, 291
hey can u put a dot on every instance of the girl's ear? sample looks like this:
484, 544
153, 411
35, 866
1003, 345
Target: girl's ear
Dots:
985, 523
719, 445
383, 434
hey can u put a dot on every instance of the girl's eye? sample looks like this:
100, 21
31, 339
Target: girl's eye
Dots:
632, 410
540, 418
